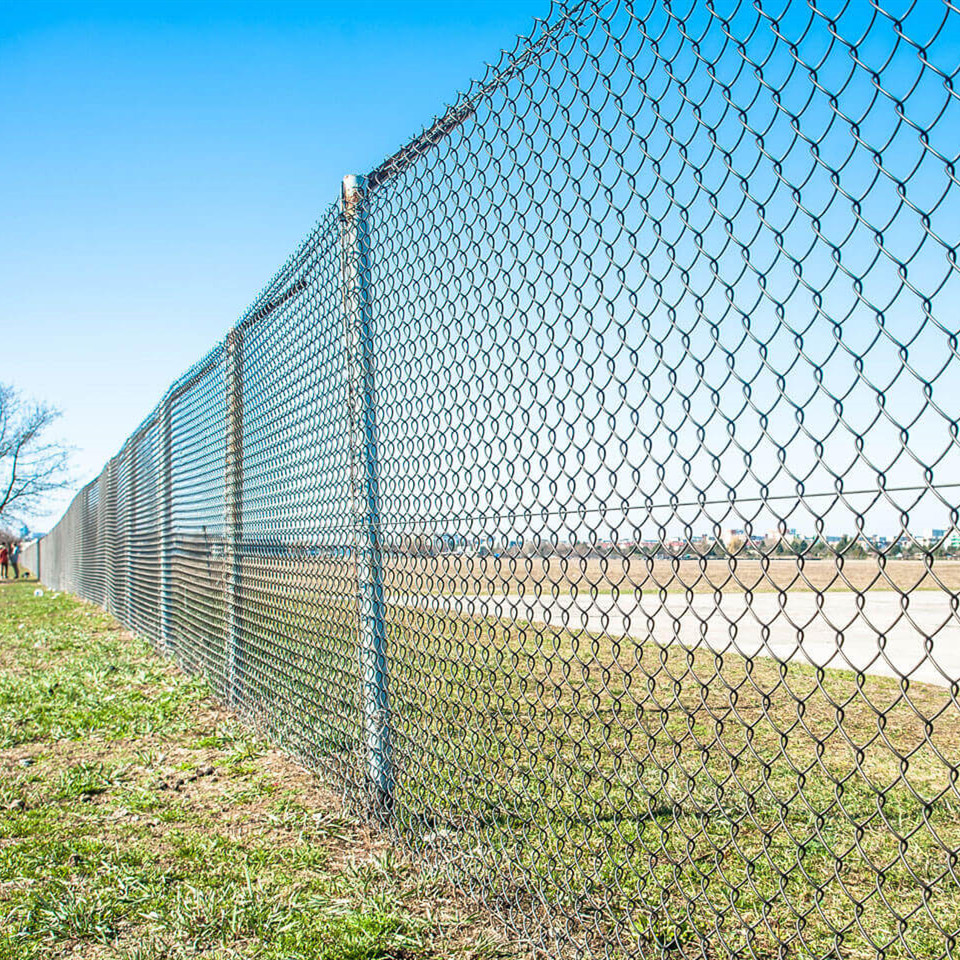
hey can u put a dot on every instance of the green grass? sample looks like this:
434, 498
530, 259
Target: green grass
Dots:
616, 796
637, 798
628, 797
114, 844
680, 801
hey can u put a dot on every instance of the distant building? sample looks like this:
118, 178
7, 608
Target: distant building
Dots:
773, 536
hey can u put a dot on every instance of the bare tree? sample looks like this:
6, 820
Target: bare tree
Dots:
31, 465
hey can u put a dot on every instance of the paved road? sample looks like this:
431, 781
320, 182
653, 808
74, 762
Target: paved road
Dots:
806, 628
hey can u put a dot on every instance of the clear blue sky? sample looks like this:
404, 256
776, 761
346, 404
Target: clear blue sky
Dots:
161, 160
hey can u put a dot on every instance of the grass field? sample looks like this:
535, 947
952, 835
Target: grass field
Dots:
139, 821
701, 805
610, 797
634, 799
465, 574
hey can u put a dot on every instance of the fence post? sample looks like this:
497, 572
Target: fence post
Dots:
109, 551
165, 496
233, 515
366, 496
131, 536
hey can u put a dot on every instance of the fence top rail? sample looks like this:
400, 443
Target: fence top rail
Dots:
526, 49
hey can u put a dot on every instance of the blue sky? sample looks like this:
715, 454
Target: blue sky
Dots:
160, 161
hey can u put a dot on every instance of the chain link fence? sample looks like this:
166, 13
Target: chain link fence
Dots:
581, 496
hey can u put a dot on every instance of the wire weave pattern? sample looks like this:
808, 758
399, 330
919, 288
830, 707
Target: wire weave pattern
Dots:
581, 496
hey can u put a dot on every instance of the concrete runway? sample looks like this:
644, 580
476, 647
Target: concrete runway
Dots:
806, 628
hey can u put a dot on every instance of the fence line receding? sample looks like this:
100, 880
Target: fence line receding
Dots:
581, 496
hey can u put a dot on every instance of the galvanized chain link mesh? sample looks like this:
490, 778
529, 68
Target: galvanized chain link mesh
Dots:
581, 495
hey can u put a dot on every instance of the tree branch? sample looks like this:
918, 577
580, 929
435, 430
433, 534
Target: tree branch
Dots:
31, 466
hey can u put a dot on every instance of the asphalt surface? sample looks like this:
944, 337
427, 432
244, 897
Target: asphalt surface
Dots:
880, 632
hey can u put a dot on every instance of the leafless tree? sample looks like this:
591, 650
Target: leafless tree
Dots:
31, 464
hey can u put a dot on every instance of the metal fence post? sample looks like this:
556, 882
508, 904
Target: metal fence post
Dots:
130, 539
366, 496
165, 496
108, 506
233, 515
